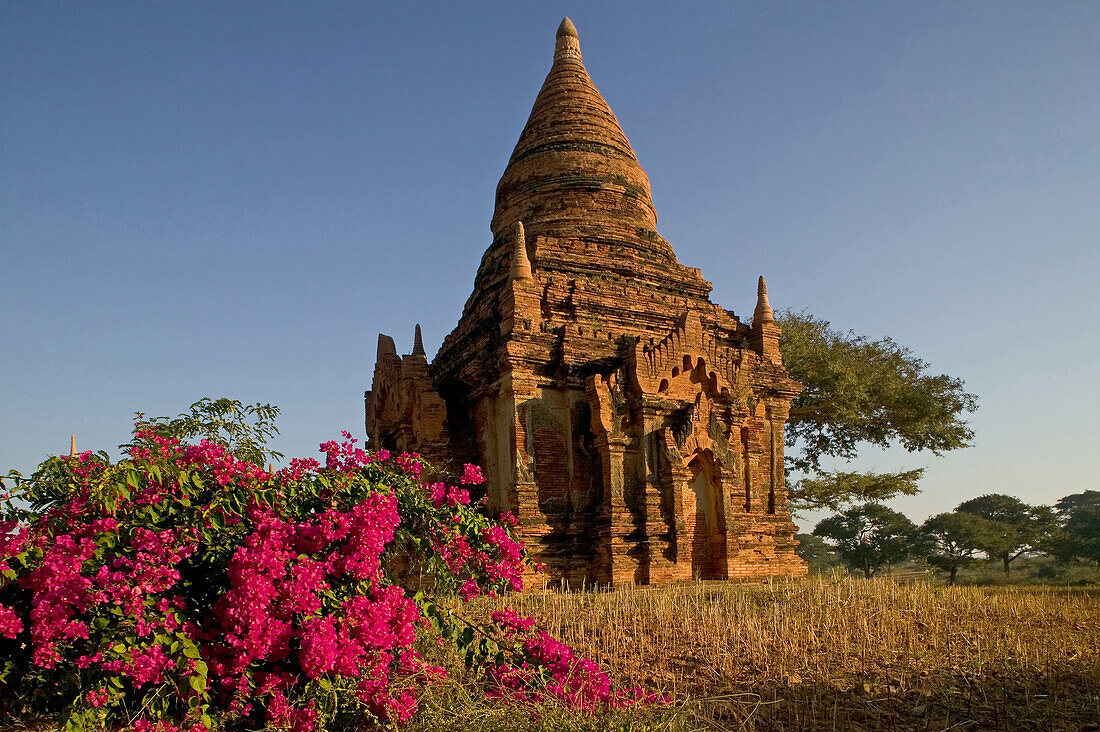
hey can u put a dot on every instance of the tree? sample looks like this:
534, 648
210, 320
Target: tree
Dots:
1016, 529
1079, 537
869, 537
954, 538
1071, 504
862, 391
819, 555
833, 490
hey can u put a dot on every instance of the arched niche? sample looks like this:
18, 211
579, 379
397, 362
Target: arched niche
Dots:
705, 518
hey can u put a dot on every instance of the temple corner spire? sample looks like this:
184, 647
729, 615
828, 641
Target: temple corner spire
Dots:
521, 265
765, 332
418, 343
763, 312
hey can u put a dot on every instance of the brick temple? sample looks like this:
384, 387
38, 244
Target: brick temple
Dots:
633, 426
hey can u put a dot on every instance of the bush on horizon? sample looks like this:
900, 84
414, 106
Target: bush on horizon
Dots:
186, 587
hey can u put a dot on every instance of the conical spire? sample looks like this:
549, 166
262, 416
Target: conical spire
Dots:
418, 343
521, 265
763, 312
572, 151
72, 446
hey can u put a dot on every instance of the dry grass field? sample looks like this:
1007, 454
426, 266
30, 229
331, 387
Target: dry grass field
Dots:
830, 654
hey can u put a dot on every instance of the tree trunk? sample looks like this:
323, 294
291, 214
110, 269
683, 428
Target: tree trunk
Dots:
1006, 561
954, 571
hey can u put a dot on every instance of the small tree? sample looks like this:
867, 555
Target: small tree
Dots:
857, 391
1079, 537
819, 555
1016, 529
869, 537
954, 538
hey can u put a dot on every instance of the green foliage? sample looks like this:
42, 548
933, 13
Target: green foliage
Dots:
1075, 503
819, 555
869, 537
1015, 527
862, 391
244, 429
833, 490
1079, 535
952, 539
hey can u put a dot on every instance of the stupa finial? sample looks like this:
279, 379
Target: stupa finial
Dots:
568, 44
72, 446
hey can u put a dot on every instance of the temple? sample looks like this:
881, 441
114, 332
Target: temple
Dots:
633, 426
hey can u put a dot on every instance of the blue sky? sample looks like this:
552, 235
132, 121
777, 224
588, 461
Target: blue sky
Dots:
208, 199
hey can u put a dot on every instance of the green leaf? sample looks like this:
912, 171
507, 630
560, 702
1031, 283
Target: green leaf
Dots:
466, 637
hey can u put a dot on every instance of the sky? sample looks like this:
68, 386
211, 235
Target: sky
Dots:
234, 199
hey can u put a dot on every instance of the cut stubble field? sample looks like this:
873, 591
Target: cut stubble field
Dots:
823, 653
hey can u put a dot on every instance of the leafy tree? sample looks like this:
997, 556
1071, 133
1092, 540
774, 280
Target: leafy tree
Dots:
1071, 504
869, 537
833, 490
819, 555
862, 391
954, 538
1016, 529
1079, 537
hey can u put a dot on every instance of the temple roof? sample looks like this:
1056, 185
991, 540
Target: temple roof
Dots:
575, 247
573, 163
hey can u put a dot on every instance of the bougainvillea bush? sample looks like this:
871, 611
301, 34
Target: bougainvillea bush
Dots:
188, 587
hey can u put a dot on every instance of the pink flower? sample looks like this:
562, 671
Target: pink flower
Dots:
10, 624
471, 475
469, 590
511, 622
97, 697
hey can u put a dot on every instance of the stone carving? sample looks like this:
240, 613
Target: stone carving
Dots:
634, 427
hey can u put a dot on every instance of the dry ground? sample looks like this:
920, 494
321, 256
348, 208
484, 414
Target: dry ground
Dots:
841, 653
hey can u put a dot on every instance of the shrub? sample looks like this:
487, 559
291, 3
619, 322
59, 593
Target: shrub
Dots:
187, 587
